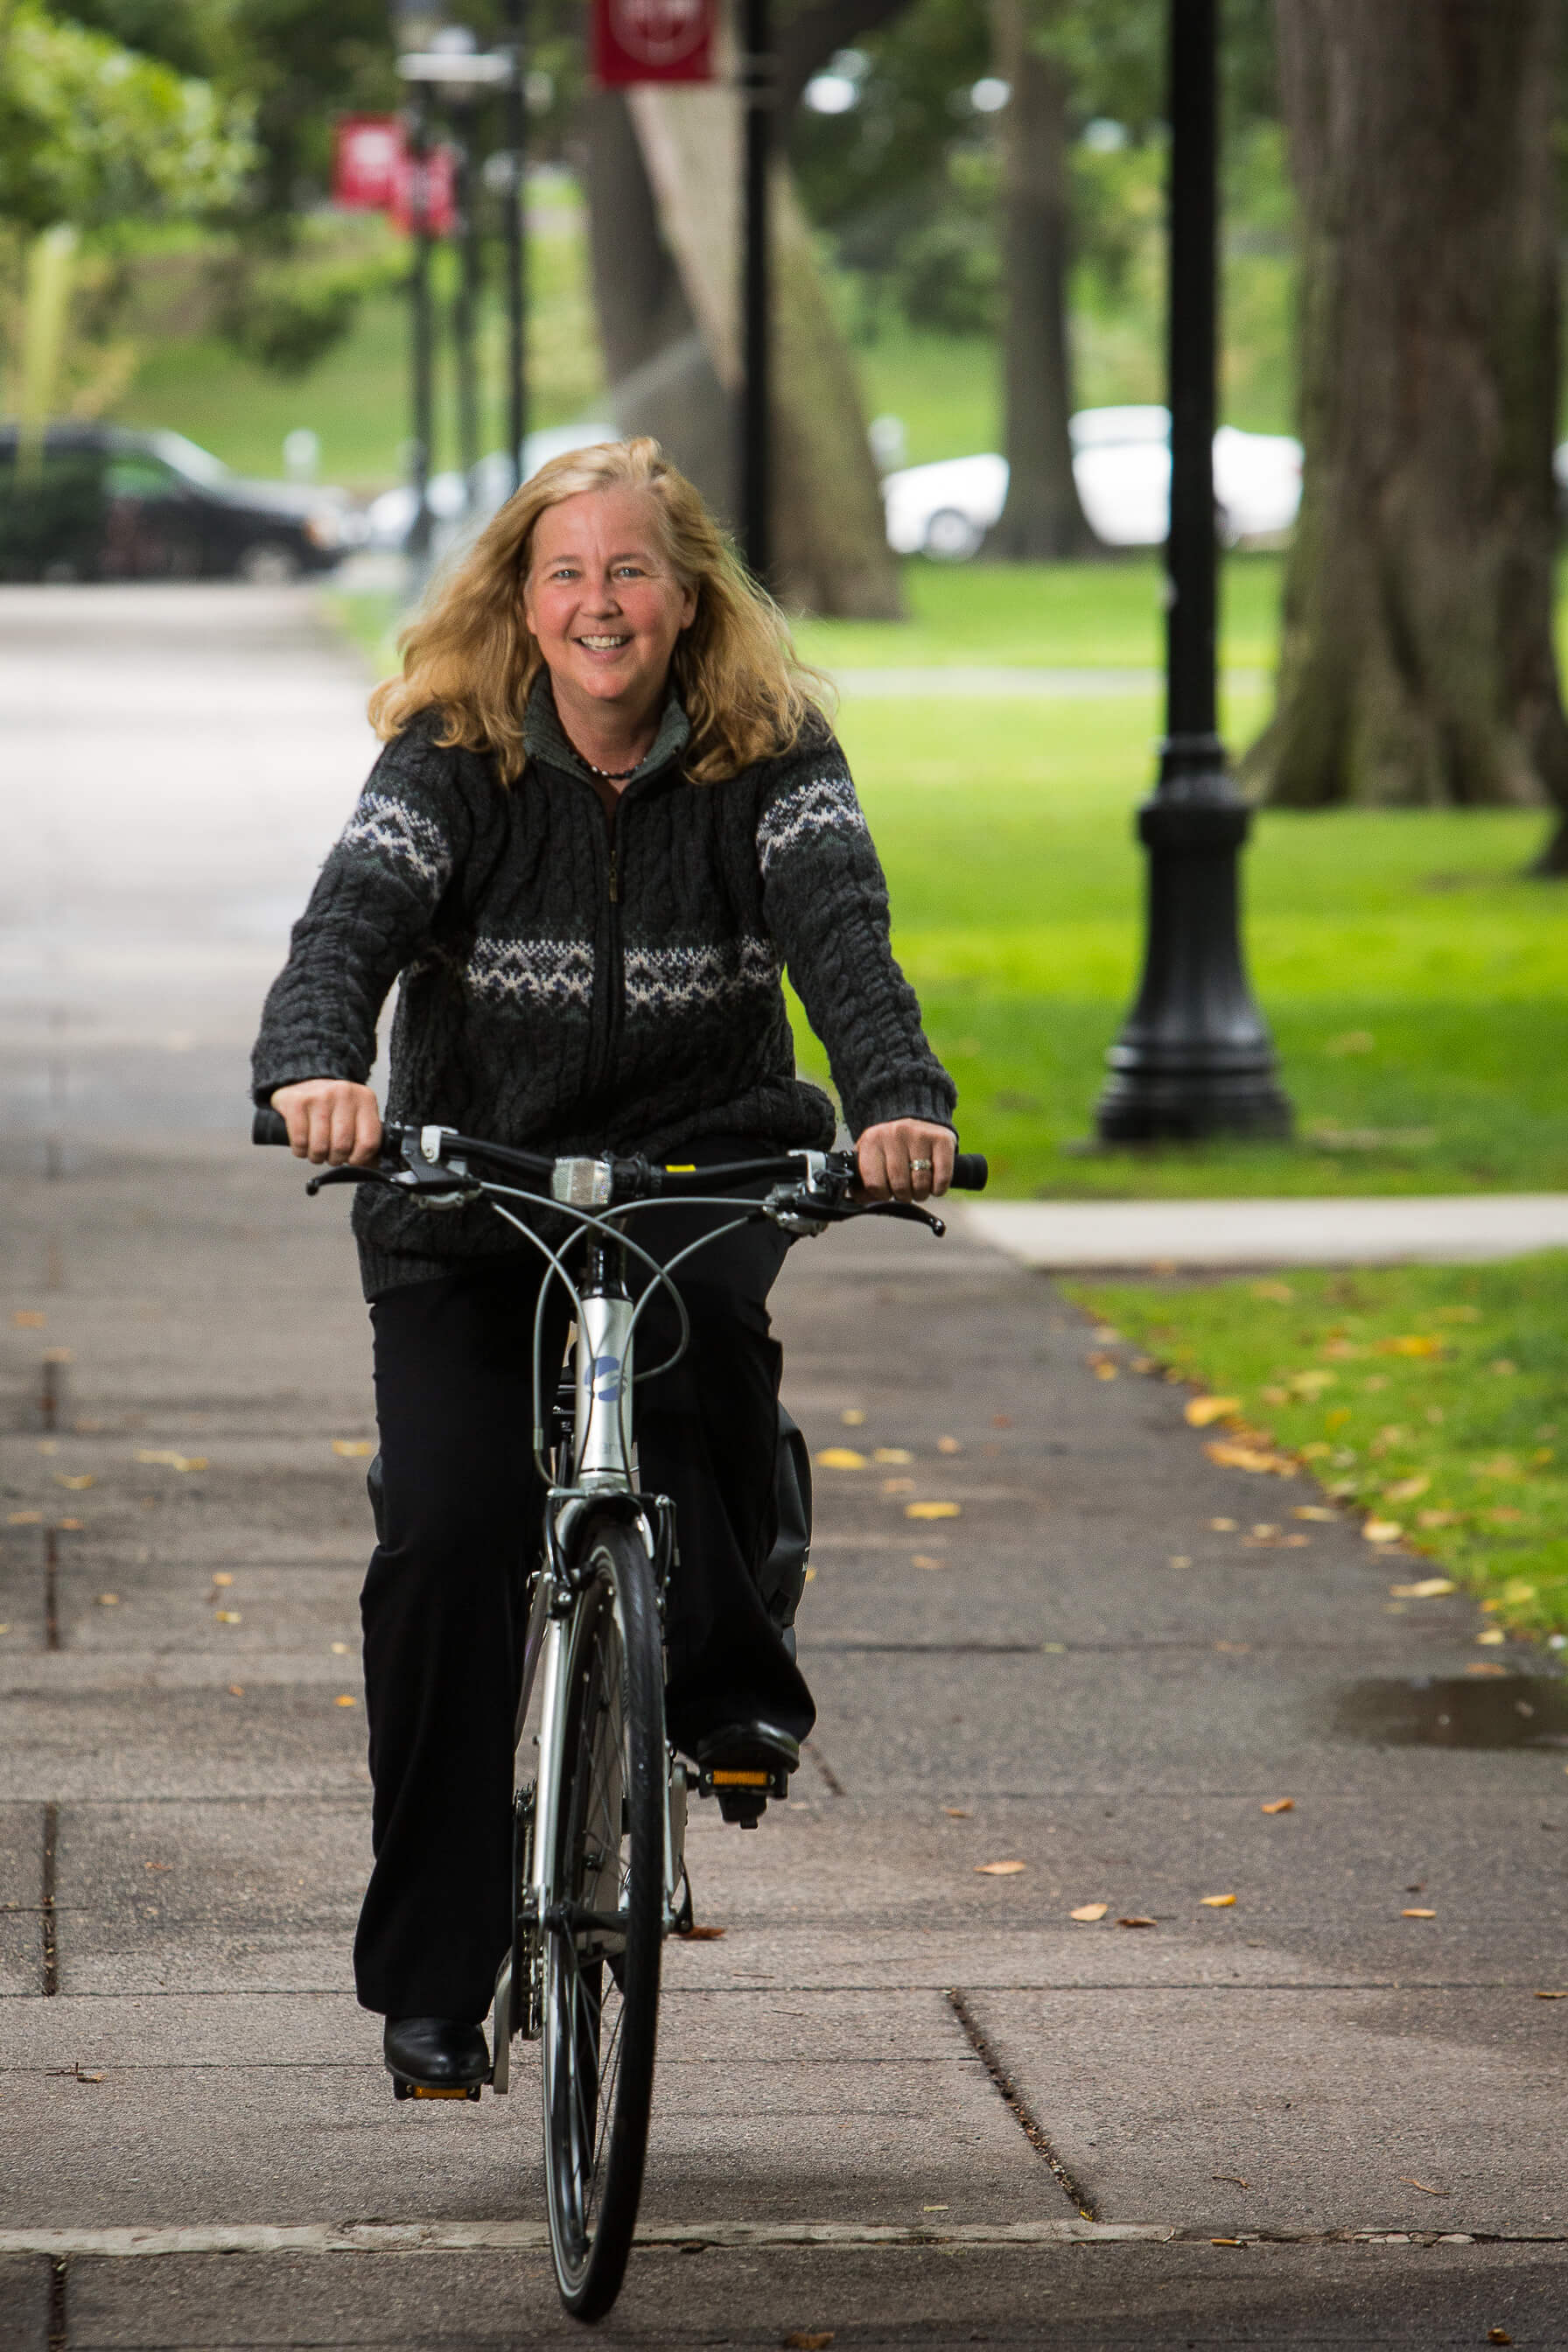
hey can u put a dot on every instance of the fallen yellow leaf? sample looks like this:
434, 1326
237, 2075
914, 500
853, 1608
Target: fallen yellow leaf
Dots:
236, 1690
1135, 1919
1102, 1368
1435, 1519
77, 1484
1493, 1639
1411, 1343
948, 1445
1551, 1996
221, 1576
227, 1616
892, 1454
108, 1600
1430, 1588
1406, 1490
345, 1700
1202, 1410
27, 1319
932, 1510
1249, 1457
23, 1518
352, 1448
1424, 2186
1419, 1914
1313, 1511
1382, 1531
957, 1814
1279, 1292
1217, 1901
841, 1457
998, 1869
1279, 1805
175, 1460
1088, 1912
925, 1560
70, 1527
1490, 1666
852, 1417
1223, 1527
339, 1648
897, 1486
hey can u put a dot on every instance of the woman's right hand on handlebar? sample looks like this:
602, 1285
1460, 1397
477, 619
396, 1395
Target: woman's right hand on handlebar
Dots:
330, 1121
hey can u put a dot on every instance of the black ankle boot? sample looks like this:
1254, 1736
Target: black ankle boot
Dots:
435, 2054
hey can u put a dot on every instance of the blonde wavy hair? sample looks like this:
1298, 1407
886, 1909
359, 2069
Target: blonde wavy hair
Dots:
470, 652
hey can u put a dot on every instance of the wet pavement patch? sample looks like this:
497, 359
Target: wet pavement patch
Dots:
1455, 1711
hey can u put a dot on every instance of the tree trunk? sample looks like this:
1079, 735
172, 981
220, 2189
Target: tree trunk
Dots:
664, 188
1042, 518
1417, 661
662, 378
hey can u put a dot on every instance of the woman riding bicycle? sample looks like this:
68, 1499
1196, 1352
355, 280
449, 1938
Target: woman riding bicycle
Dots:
607, 816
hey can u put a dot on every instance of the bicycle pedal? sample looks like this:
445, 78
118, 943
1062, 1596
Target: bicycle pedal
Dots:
402, 2088
742, 1806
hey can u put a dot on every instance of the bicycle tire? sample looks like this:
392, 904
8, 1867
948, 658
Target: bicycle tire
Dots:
601, 1990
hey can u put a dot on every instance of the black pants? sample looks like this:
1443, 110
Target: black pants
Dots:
444, 1601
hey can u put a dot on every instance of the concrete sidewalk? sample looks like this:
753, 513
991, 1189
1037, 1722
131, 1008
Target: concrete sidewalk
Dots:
894, 2087
1162, 1237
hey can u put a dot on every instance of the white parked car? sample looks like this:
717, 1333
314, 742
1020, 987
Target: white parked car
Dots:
391, 516
1121, 464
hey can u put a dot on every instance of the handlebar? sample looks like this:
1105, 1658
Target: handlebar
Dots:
641, 1178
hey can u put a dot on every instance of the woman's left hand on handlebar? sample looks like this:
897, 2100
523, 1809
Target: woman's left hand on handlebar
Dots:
905, 1159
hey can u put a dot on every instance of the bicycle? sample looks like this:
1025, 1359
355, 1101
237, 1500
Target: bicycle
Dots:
599, 1868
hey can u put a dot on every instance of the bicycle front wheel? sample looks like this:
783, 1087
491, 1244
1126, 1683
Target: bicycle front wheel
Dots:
605, 1921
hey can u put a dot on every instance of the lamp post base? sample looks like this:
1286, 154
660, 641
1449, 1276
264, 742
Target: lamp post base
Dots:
1194, 1059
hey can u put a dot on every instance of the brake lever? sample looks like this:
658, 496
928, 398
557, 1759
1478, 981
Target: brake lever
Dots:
346, 1176
905, 1209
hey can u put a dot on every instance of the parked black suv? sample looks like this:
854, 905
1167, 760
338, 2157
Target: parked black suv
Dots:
103, 503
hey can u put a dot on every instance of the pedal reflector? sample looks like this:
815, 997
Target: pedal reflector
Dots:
424, 2091
741, 1780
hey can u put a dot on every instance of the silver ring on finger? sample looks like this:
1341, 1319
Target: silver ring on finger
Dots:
920, 1167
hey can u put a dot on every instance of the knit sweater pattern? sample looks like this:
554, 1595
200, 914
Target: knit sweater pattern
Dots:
565, 988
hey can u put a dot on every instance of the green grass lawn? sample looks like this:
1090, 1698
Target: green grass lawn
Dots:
1432, 1400
357, 399
1417, 986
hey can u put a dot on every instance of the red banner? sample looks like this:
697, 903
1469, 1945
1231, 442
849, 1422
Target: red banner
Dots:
367, 155
652, 40
439, 199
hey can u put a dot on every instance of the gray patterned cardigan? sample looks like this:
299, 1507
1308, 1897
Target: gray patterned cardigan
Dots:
568, 990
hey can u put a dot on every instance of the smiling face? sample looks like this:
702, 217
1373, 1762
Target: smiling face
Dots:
605, 603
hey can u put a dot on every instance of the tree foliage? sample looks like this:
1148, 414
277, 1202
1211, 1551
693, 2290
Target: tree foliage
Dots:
92, 132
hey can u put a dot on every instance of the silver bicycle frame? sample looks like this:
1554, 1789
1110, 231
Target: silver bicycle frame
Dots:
601, 1465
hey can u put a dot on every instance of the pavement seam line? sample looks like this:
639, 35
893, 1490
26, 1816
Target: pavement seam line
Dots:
48, 1922
1027, 2122
60, 2246
59, 2335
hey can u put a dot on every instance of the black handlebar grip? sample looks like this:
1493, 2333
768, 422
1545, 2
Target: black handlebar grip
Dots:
267, 1127
970, 1173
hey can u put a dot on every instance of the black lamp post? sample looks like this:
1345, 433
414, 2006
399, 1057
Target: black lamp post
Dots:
759, 82
1194, 1057
516, 201
421, 339
434, 57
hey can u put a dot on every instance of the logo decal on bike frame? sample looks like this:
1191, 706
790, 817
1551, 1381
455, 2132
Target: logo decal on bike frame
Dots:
607, 1379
